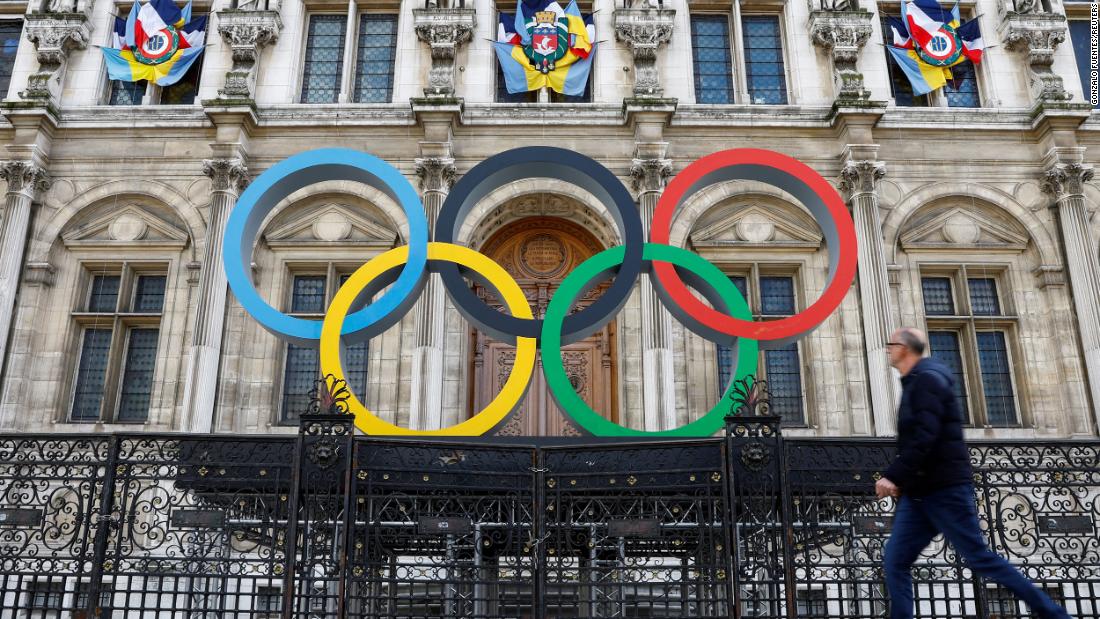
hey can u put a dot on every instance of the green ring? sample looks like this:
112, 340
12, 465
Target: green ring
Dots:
603, 263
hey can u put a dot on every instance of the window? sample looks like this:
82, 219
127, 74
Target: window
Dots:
45, 595
1080, 34
767, 80
760, 59
969, 332
811, 603
772, 297
309, 296
710, 46
960, 91
10, 32
119, 319
324, 70
269, 601
84, 589
183, 92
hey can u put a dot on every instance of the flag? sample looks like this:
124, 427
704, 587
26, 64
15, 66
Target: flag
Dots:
928, 40
545, 45
973, 44
900, 33
923, 77
157, 42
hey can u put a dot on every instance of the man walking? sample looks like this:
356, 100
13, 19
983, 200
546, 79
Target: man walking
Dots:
932, 478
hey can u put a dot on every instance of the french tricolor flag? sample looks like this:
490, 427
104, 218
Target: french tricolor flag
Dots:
900, 33
925, 18
971, 37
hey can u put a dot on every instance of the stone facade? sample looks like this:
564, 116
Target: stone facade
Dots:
1005, 190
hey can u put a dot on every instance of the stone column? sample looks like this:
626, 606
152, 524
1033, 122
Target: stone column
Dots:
444, 30
228, 178
842, 33
1065, 182
247, 32
1036, 35
858, 180
658, 384
644, 30
54, 35
26, 181
426, 408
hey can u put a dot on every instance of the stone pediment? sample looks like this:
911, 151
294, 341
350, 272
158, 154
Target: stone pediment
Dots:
129, 226
958, 228
327, 224
760, 226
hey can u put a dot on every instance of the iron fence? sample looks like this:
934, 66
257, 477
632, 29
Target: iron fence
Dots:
328, 524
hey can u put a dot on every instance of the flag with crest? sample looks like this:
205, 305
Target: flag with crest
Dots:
158, 42
545, 45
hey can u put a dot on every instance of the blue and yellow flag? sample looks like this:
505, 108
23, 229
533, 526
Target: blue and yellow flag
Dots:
157, 42
544, 45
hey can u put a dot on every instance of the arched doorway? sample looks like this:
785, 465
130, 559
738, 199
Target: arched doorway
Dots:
539, 252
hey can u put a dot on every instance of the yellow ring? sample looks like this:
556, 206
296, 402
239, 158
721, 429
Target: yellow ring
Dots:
512, 392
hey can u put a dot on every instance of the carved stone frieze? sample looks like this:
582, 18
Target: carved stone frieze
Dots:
435, 173
645, 30
226, 174
25, 177
1037, 35
861, 177
445, 30
1066, 179
650, 174
842, 34
247, 32
54, 35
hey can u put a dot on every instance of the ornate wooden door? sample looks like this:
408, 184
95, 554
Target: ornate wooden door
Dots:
539, 252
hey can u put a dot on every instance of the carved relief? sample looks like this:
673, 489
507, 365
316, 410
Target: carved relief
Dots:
538, 253
1037, 35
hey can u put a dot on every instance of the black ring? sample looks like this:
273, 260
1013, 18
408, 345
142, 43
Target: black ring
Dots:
533, 162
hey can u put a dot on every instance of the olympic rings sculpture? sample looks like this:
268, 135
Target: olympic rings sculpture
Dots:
400, 273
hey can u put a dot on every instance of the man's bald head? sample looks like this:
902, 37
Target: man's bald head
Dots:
913, 339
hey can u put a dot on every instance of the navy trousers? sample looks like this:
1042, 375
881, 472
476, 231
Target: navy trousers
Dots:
951, 511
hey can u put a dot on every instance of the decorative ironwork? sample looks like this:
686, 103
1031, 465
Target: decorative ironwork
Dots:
750, 397
329, 396
329, 525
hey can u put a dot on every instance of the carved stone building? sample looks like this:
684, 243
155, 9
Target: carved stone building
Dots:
975, 209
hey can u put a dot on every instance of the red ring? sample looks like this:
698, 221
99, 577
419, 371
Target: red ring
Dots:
784, 328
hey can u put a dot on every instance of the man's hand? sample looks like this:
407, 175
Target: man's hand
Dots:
884, 488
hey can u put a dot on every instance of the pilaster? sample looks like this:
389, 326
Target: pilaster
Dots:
1064, 180
228, 176
644, 30
859, 180
247, 31
445, 30
54, 35
842, 34
1036, 34
26, 181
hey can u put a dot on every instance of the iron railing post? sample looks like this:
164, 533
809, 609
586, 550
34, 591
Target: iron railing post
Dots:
733, 542
291, 553
791, 583
104, 523
538, 536
349, 522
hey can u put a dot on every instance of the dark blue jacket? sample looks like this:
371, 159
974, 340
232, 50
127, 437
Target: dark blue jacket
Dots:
932, 453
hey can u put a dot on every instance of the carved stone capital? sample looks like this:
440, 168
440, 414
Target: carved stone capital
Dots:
435, 173
226, 174
25, 177
445, 30
39, 274
861, 177
1049, 275
1037, 35
650, 174
645, 30
247, 32
842, 34
1065, 180
54, 35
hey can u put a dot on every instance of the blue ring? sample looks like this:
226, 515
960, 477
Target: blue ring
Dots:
290, 175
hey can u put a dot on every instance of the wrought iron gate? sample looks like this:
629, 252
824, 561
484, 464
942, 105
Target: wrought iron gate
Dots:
326, 524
